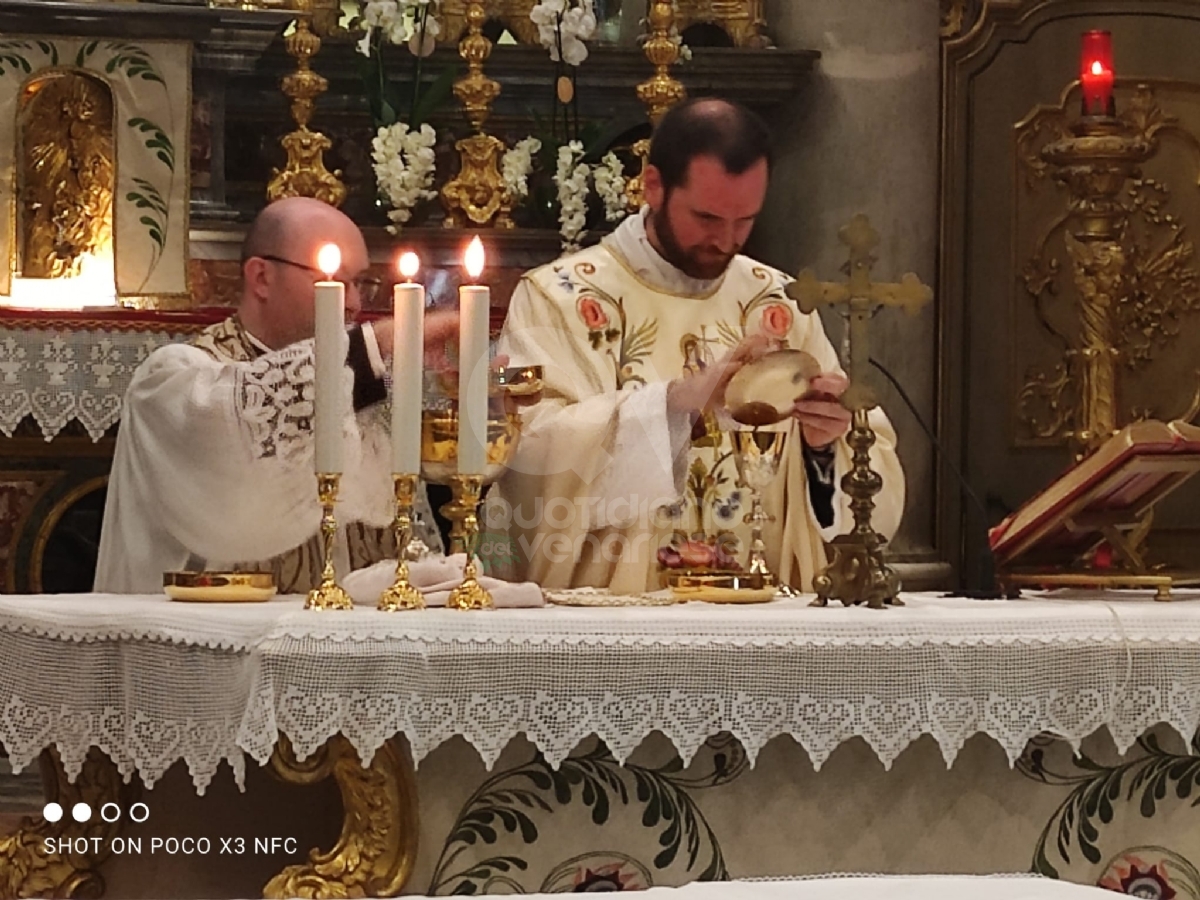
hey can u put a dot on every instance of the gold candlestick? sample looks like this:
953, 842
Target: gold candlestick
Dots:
470, 594
329, 595
402, 594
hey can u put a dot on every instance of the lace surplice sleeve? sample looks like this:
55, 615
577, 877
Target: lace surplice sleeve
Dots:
224, 451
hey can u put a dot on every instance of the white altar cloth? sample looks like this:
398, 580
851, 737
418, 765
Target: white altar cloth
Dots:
864, 887
151, 682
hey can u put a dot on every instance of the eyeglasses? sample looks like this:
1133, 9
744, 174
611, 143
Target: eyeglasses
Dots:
366, 285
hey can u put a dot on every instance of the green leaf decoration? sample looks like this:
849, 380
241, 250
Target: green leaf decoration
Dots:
49, 50
85, 52
11, 60
134, 60
595, 780
158, 141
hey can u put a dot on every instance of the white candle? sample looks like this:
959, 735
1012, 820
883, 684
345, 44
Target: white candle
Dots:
408, 339
330, 359
474, 302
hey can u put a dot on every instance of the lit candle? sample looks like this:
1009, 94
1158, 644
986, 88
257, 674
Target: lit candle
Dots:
474, 303
330, 359
1096, 74
408, 339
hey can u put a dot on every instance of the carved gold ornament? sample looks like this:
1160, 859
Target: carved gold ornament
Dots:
305, 174
1131, 265
659, 92
374, 853
476, 195
26, 870
67, 174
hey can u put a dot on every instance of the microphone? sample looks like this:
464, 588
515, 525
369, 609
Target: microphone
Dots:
987, 560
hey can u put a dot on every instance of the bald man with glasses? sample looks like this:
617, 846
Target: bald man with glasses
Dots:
214, 461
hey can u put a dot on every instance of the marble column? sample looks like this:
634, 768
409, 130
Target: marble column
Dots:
862, 136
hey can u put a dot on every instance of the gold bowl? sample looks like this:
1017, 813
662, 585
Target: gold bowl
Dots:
714, 586
439, 446
219, 587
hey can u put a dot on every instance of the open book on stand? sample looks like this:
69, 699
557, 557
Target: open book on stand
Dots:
1104, 497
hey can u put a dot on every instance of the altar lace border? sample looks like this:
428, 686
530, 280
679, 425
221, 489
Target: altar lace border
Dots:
205, 685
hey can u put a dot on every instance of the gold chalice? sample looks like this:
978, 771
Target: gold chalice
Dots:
758, 454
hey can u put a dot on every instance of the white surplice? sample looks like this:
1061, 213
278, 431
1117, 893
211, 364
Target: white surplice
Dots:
214, 469
603, 476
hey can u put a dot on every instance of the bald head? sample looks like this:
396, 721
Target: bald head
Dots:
279, 267
733, 135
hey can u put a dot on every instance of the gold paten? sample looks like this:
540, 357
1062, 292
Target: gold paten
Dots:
328, 594
470, 594
857, 573
476, 195
305, 174
26, 870
722, 587
67, 173
659, 92
402, 594
219, 587
375, 852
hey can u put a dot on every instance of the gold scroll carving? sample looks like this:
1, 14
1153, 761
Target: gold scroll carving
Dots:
27, 871
1132, 279
375, 852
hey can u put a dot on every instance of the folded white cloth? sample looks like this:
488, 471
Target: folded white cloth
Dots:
435, 577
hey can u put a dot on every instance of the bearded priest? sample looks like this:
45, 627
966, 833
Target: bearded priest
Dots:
622, 464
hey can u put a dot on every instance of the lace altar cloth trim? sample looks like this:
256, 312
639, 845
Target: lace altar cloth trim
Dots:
151, 682
59, 375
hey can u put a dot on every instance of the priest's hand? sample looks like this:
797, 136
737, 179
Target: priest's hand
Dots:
703, 391
820, 413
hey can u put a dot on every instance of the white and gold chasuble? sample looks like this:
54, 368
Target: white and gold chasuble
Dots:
602, 478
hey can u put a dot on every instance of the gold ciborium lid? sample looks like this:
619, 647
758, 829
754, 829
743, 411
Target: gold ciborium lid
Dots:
508, 381
439, 446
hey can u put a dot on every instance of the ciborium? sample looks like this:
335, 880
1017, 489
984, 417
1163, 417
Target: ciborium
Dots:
758, 453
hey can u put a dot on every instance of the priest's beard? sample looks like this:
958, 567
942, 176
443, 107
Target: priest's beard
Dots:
702, 262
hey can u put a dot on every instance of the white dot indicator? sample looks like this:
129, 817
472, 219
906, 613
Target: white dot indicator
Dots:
52, 812
81, 812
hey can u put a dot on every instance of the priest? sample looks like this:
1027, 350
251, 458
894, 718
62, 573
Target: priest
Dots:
624, 466
214, 461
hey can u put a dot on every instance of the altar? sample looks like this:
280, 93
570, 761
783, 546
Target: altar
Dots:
602, 748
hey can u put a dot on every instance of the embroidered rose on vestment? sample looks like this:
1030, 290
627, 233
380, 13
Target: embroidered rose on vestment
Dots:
776, 320
592, 313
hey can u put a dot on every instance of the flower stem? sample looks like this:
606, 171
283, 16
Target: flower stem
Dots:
416, 91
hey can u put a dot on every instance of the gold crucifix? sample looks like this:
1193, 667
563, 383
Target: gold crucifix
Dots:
857, 572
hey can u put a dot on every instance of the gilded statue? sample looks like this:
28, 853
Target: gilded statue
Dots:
67, 173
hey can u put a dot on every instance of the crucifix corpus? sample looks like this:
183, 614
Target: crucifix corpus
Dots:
857, 572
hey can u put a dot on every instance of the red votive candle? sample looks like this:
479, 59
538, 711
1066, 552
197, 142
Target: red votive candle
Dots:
1096, 74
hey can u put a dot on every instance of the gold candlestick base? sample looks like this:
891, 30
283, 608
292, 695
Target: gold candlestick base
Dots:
470, 594
329, 595
402, 595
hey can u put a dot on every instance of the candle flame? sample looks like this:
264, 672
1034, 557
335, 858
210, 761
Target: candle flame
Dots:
1097, 67
473, 259
329, 259
409, 264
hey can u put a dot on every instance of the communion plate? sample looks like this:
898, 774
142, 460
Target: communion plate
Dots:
762, 392
722, 587
219, 587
